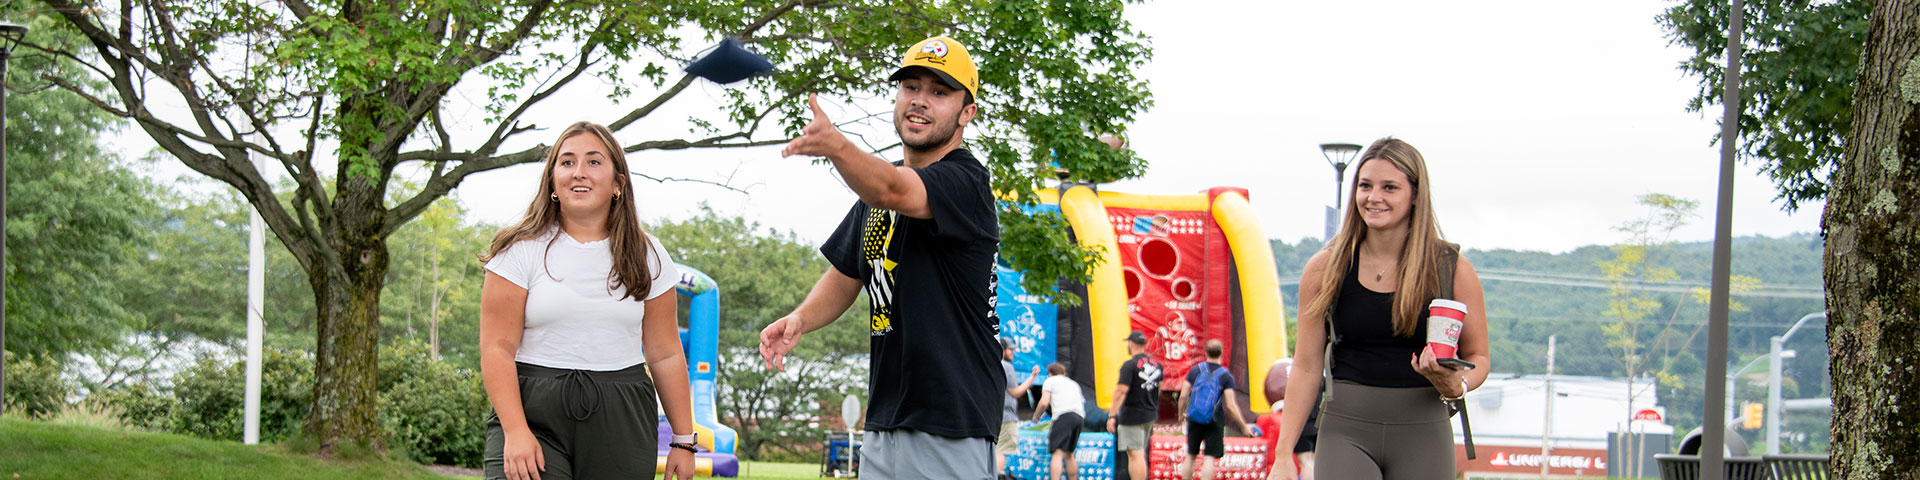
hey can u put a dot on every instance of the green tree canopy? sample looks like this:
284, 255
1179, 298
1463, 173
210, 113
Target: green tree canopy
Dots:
74, 210
221, 83
1796, 81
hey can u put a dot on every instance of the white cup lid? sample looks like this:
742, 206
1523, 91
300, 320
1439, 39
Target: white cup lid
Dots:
1441, 302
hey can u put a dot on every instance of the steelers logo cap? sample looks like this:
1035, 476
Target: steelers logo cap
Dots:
948, 60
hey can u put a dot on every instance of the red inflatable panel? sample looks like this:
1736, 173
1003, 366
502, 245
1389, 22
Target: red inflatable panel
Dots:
1245, 458
1176, 264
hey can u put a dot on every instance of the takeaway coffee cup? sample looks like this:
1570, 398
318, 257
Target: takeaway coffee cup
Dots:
1445, 320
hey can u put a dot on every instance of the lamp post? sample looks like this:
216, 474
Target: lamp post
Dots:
1730, 379
1338, 155
10, 35
1773, 380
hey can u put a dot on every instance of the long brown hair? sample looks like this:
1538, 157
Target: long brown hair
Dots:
626, 238
1419, 270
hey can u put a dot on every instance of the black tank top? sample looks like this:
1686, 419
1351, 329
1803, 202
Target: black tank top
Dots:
1369, 353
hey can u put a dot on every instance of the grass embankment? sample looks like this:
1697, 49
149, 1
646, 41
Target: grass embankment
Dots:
37, 450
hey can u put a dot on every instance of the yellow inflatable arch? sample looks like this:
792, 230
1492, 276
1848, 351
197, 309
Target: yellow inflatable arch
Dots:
1263, 319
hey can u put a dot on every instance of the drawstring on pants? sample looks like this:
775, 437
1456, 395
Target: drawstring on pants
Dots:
580, 381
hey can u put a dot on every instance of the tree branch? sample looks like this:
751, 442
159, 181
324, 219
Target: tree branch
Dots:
688, 180
687, 80
535, 13
658, 100
709, 142
119, 56
144, 116
300, 9
439, 186
506, 128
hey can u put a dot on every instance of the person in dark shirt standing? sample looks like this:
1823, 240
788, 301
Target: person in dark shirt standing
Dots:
1131, 420
922, 240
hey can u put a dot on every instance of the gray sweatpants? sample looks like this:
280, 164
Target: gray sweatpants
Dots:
590, 424
913, 455
1376, 433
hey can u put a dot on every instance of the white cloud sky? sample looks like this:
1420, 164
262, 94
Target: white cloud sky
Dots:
1540, 122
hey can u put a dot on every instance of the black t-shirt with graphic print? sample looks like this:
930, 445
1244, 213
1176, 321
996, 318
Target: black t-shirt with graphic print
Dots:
1142, 375
930, 282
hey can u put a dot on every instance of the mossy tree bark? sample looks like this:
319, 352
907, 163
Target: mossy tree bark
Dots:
1873, 252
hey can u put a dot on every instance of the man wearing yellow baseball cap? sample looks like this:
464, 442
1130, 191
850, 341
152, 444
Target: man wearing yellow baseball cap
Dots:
922, 240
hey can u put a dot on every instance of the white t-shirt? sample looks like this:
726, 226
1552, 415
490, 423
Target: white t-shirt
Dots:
575, 318
1066, 395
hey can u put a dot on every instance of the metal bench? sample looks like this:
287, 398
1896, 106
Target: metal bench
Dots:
1687, 467
1797, 467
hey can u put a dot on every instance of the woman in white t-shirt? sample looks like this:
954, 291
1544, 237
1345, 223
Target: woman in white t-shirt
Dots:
575, 308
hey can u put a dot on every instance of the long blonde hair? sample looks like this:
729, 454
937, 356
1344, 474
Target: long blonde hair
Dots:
1419, 268
626, 238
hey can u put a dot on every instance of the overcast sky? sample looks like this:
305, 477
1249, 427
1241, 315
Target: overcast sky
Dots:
1540, 122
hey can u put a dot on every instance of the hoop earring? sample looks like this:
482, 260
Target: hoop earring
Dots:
616, 195
553, 197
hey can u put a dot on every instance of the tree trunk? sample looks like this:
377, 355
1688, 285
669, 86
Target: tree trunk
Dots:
344, 419
1872, 252
346, 359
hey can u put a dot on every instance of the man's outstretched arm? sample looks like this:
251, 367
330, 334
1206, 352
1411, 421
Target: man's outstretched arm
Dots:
829, 298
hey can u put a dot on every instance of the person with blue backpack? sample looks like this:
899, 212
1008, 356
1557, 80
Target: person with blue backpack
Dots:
1209, 395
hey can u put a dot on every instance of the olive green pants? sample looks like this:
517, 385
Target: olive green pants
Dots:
590, 424
1376, 433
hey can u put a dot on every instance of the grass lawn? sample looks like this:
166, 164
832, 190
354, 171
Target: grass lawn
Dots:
36, 450
779, 471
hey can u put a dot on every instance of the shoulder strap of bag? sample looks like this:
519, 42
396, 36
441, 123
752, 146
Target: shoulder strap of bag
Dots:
1449, 257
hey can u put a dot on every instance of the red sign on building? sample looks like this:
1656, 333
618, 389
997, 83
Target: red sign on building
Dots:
1655, 415
1561, 461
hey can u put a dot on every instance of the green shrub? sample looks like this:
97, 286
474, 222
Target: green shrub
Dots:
432, 411
140, 405
212, 394
34, 386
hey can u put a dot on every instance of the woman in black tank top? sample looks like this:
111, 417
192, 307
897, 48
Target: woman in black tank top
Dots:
1385, 417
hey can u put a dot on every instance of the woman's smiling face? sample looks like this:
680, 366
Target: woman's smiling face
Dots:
1383, 194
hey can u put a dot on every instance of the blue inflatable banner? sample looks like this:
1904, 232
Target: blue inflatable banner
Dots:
1029, 322
1092, 456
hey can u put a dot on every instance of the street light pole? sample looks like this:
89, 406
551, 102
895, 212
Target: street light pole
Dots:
1713, 458
1776, 353
1338, 155
1730, 386
10, 35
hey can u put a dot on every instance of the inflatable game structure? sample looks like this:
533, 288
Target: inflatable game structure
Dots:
701, 342
1183, 269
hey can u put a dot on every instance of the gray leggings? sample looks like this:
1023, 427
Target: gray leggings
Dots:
1377, 433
